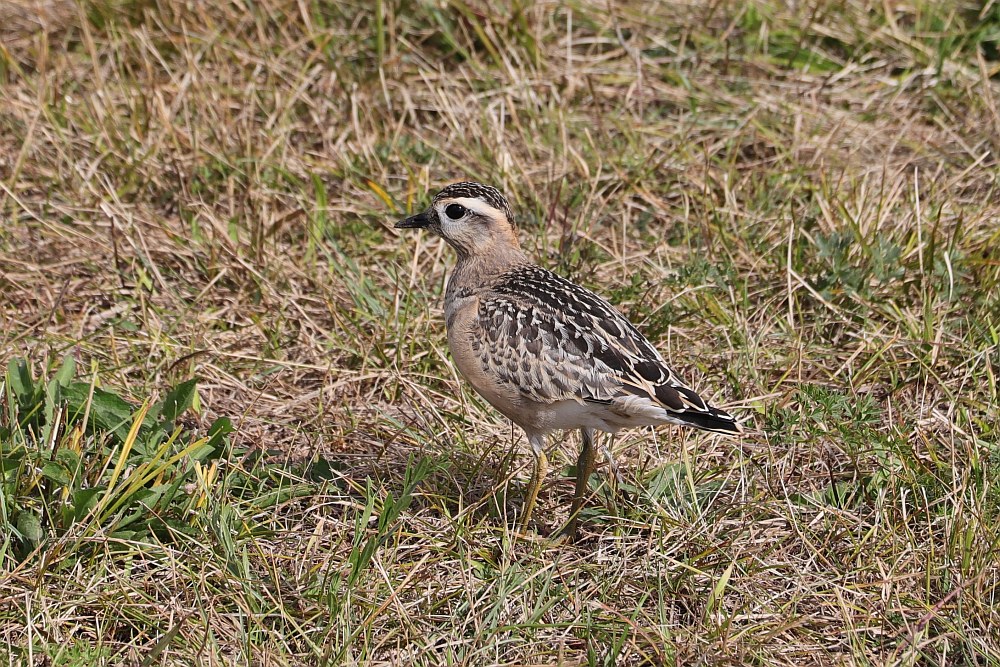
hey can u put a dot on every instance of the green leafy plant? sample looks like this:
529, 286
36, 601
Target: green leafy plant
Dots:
77, 457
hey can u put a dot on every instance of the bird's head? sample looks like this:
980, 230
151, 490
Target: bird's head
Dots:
471, 217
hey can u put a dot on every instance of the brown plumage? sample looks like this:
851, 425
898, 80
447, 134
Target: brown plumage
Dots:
545, 352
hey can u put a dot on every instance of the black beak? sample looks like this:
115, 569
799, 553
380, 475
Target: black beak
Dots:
417, 221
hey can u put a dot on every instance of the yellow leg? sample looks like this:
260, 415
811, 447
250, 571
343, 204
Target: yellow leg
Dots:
584, 467
537, 477
619, 489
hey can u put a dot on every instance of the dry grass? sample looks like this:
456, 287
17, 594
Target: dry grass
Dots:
797, 201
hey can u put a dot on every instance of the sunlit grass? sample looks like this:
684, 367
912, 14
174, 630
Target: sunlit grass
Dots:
230, 429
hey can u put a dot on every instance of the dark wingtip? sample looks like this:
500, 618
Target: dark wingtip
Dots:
717, 421
685, 404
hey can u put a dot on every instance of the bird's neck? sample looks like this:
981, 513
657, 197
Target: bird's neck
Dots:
489, 262
475, 272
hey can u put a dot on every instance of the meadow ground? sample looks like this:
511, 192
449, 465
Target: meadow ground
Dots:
230, 432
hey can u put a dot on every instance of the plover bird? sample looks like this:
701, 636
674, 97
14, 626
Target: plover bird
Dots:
548, 354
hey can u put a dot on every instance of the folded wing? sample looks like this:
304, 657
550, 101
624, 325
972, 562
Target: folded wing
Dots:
557, 341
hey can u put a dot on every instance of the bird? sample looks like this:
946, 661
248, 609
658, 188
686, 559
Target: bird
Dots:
548, 354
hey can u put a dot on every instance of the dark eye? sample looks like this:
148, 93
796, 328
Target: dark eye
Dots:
454, 211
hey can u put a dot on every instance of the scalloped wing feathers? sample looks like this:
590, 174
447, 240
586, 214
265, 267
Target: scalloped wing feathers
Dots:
555, 340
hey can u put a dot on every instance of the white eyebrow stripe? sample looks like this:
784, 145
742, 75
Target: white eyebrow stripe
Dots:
476, 206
